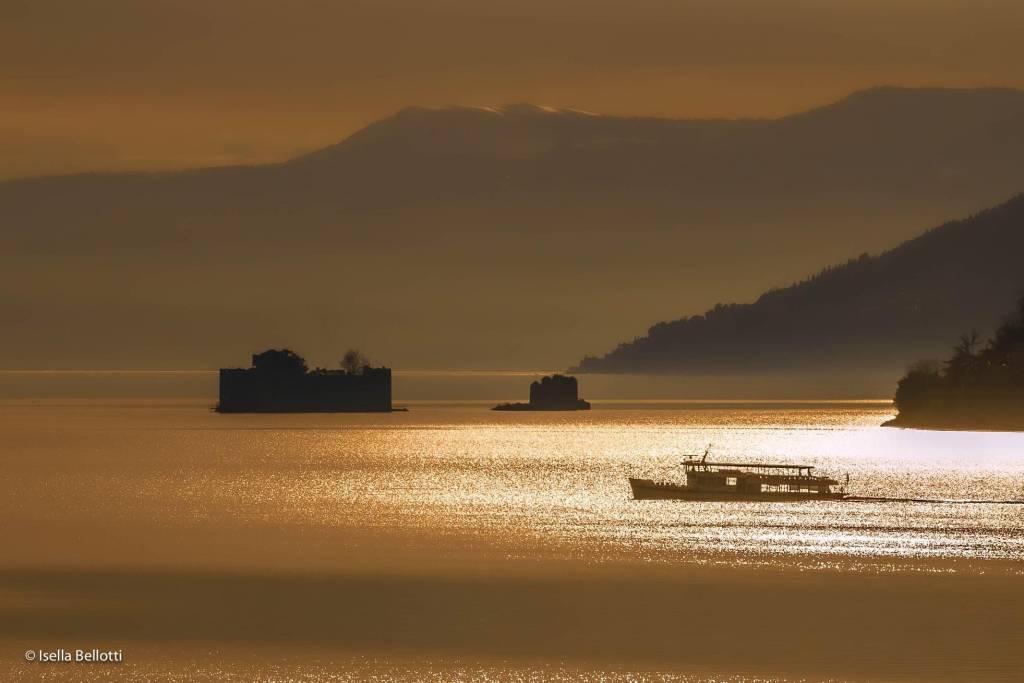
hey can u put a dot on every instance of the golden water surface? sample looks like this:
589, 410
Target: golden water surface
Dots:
452, 542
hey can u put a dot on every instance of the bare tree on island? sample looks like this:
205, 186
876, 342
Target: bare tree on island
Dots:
354, 361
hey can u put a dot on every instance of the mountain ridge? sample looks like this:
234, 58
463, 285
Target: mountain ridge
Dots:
512, 240
883, 95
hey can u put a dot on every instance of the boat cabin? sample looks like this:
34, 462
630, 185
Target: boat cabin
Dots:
754, 478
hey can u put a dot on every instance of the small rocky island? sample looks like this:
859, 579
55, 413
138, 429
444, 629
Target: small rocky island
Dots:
280, 382
975, 389
554, 392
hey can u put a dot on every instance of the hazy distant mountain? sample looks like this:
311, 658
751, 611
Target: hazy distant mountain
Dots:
511, 237
873, 313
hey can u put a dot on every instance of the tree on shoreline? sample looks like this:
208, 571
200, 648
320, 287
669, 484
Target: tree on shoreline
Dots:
972, 382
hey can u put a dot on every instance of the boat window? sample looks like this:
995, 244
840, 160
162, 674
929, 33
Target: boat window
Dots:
730, 481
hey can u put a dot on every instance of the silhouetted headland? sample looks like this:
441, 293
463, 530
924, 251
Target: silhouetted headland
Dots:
867, 315
974, 389
554, 392
280, 382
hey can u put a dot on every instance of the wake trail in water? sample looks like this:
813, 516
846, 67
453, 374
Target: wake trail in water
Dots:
879, 499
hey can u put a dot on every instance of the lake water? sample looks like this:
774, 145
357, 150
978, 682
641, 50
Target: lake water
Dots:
350, 546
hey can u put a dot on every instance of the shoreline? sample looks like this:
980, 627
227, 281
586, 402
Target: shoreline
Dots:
950, 426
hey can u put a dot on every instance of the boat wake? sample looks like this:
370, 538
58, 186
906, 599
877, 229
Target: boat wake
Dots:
880, 499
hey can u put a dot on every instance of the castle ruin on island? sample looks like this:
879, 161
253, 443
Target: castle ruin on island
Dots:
554, 392
280, 382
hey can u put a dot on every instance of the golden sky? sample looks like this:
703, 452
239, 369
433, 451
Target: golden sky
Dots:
139, 84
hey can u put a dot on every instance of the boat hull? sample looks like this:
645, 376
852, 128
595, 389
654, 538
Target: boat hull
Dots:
647, 489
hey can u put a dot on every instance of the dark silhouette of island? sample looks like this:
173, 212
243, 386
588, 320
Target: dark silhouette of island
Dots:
554, 392
456, 200
868, 314
280, 382
973, 389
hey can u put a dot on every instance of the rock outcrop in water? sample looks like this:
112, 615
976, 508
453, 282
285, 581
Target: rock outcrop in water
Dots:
554, 392
973, 389
280, 382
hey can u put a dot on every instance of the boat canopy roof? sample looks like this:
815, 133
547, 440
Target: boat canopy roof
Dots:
747, 464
